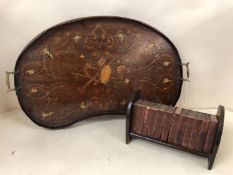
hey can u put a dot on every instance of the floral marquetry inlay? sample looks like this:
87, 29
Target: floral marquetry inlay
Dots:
92, 66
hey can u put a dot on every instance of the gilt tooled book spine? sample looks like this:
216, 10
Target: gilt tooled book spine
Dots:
152, 117
211, 134
159, 121
203, 132
138, 113
167, 123
174, 125
188, 129
142, 108
140, 121
149, 118
196, 131
181, 126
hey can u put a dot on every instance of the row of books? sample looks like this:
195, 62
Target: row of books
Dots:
186, 128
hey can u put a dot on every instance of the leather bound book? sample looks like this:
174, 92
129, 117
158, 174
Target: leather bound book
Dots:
196, 131
188, 129
150, 119
167, 123
181, 127
174, 125
211, 134
159, 121
138, 112
134, 119
203, 132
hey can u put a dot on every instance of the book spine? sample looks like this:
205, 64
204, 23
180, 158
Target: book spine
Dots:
174, 126
188, 130
152, 119
146, 123
134, 119
195, 132
211, 134
181, 127
203, 133
159, 122
138, 116
167, 124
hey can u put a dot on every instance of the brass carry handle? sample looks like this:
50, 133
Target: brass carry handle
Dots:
187, 72
8, 83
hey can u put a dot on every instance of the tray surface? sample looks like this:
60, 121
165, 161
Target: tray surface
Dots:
91, 66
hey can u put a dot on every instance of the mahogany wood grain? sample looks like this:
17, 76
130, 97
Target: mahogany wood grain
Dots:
91, 66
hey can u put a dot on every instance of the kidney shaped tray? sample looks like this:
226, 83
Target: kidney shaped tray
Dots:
91, 66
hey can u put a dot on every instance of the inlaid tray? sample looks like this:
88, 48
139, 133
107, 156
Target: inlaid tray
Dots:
91, 66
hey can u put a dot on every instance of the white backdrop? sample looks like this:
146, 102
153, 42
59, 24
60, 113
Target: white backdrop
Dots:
202, 30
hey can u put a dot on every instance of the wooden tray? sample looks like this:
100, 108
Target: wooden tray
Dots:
90, 66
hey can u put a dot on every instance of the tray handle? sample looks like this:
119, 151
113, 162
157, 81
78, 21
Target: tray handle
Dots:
8, 83
187, 72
